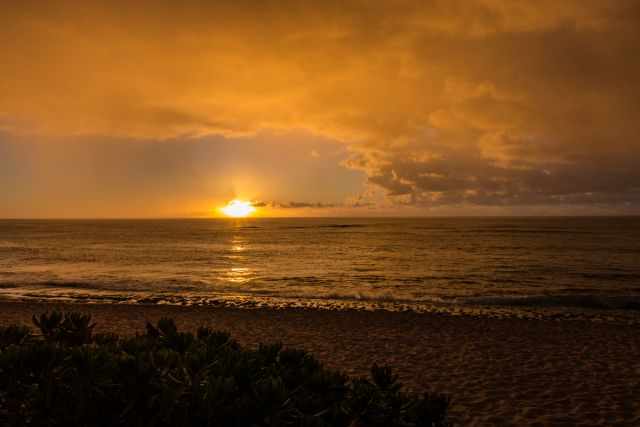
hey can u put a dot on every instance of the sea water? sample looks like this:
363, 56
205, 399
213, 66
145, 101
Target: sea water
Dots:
574, 262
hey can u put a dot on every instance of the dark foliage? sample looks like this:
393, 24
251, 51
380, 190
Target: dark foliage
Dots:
65, 328
70, 377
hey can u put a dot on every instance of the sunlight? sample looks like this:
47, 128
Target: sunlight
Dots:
238, 208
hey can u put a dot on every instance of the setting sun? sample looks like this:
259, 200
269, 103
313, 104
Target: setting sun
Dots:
238, 208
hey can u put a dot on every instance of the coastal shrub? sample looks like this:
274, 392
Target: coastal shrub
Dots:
69, 328
13, 335
70, 377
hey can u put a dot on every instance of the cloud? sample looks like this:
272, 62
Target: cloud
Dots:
344, 207
295, 205
483, 102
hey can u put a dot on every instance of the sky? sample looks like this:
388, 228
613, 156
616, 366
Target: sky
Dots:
308, 108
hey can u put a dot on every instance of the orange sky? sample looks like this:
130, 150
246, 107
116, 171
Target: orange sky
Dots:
319, 108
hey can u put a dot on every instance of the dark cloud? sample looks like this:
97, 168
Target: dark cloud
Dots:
356, 204
303, 205
295, 205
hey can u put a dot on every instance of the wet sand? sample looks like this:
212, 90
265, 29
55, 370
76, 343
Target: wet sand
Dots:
498, 371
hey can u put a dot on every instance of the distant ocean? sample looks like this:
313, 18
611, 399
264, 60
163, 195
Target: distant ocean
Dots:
523, 262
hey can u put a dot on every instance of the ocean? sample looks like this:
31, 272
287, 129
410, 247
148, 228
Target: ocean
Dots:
590, 263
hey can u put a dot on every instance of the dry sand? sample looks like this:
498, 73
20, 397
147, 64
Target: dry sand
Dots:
505, 371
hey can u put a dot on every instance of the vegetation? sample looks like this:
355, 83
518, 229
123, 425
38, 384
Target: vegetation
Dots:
70, 377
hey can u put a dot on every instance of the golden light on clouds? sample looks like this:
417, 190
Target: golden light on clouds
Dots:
498, 105
238, 209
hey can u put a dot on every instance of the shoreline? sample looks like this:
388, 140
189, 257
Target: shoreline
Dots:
497, 370
511, 307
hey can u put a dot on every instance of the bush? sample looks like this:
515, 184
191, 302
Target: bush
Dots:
69, 377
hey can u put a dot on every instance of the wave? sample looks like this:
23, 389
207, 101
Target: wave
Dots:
342, 226
525, 231
362, 296
608, 302
177, 290
294, 227
5, 244
611, 275
172, 285
591, 301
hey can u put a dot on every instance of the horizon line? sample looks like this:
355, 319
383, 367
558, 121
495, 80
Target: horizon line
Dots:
221, 218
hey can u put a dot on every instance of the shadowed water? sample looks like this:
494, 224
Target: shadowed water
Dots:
579, 262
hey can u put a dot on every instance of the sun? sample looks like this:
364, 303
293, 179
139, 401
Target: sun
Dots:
238, 208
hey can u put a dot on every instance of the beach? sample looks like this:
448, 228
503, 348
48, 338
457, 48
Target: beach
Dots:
497, 370
443, 188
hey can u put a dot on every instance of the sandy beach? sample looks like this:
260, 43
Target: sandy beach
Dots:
507, 371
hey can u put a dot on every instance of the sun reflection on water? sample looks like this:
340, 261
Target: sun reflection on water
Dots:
239, 275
